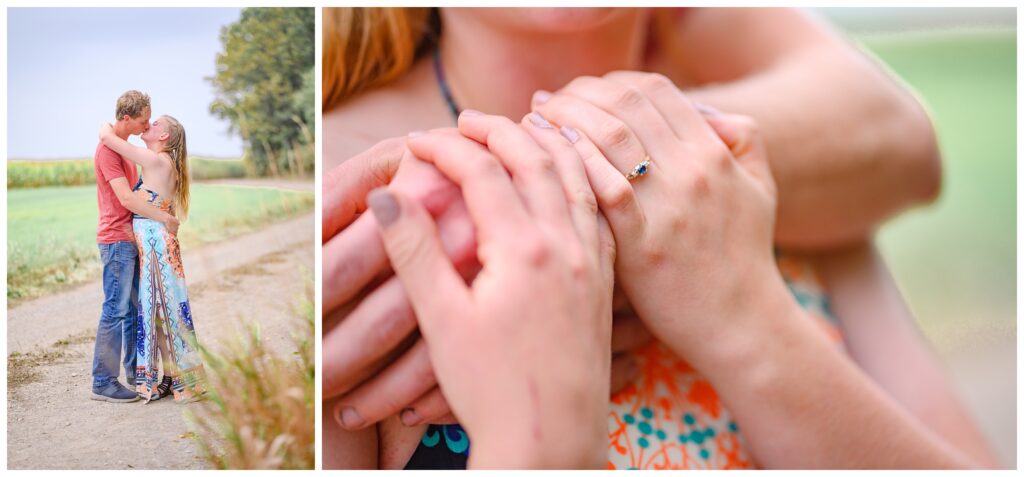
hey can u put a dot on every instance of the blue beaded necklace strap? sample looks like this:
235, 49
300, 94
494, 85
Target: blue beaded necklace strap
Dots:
442, 83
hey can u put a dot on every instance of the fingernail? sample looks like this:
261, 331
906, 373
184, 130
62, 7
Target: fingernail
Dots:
350, 418
417, 133
540, 96
705, 109
469, 113
410, 418
539, 121
569, 133
384, 206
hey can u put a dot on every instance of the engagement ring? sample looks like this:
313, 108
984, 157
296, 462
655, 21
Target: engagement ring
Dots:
640, 169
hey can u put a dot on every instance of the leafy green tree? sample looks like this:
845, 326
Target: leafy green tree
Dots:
264, 77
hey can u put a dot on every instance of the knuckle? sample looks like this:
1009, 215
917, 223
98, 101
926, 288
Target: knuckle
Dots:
409, 248
579, 265
393, 324
620, 196
656, 82
628, 97
349, 267
652, 255
616, 135
543, 163
581, 195
700, 183
535, 250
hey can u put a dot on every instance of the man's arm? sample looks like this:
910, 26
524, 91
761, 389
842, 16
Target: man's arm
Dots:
849, 145
133, 203
139, 155
882, 337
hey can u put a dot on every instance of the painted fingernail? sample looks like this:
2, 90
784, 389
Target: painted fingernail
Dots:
539, 121
410, 418
540, 96
705, 109
569, 133
350, 418
417, 133
385, 208
469, 113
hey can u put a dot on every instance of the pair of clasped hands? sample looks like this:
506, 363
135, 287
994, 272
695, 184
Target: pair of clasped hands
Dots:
507, 239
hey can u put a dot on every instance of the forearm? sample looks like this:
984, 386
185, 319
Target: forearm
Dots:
848, 146
801, 404
543, 425
883, 339
139, 206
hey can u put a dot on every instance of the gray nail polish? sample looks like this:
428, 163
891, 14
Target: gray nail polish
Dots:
539, 121
350, 418
469, 113
541, 97
384, 206
569, 133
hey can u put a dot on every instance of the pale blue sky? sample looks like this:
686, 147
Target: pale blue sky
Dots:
67, 66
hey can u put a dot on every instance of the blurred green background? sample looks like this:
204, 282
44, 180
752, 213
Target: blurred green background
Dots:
51, 231
955, 260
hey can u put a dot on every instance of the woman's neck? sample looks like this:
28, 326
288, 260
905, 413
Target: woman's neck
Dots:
497, 70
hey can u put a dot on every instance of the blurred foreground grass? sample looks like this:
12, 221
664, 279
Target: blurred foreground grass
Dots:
955, 260
51, 231
261, 403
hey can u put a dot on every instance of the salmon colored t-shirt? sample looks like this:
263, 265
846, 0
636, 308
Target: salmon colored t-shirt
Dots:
115, 220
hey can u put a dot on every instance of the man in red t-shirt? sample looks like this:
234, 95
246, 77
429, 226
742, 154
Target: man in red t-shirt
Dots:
117, 327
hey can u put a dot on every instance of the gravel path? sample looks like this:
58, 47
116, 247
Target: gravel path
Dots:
52, 423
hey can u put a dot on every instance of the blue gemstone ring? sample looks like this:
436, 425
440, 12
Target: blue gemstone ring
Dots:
640, 169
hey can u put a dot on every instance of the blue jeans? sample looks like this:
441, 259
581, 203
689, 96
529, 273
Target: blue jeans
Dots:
117, 326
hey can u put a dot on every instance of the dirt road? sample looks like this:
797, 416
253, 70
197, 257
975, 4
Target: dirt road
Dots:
52, 423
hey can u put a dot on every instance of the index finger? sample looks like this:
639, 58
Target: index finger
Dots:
346, 186
494, 206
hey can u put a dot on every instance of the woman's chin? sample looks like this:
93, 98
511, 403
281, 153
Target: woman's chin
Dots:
552, 20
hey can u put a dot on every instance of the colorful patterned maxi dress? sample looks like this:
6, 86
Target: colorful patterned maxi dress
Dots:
164, 320
669, 417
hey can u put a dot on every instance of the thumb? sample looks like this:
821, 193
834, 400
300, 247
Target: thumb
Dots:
410, 237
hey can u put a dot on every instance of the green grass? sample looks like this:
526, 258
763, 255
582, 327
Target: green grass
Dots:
51, 231
81, 172
955, 261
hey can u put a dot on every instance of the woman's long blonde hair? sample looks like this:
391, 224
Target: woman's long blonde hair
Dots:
177, 148
369, 47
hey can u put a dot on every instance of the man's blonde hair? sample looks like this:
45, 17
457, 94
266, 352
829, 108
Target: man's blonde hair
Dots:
131, 103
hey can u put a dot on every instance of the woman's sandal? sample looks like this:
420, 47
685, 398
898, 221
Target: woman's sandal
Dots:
164, 389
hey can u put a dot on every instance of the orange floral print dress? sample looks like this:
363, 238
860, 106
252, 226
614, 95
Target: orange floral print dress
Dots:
669, 417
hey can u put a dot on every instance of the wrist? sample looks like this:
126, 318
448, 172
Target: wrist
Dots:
570, 449
760, 315
568, 432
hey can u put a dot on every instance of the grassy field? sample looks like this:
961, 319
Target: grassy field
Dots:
51, 231
80, 171
955, 260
